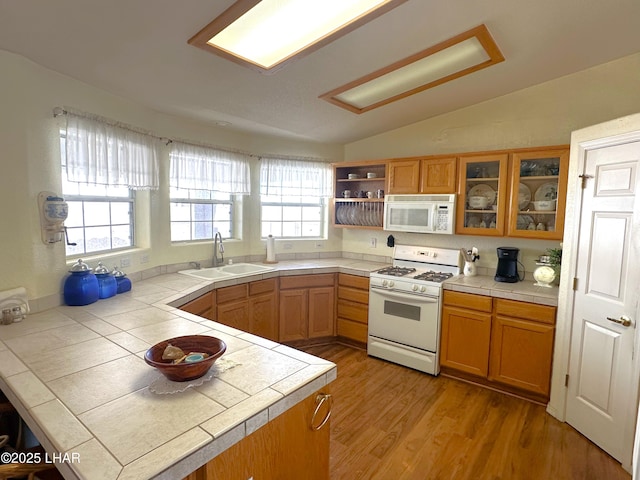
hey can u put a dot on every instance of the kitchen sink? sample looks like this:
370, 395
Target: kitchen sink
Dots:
227, 271
245, 268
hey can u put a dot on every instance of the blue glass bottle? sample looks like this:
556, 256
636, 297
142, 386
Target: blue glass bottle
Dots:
81, 286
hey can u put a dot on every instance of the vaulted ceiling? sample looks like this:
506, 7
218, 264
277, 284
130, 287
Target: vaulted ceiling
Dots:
138, 50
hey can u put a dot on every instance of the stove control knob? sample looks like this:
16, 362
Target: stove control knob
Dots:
391, 283
384, 283
423, 288
414, 288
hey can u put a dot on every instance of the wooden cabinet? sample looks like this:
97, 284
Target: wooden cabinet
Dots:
353, 307
466, 332
203, 306
252, 307
538, 194
291, 446
506, 342
482, 193
522, 345
356, 202
307, 307
422, 175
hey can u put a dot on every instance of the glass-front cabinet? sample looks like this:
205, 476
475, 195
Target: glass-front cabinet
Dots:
482, 188
538, 193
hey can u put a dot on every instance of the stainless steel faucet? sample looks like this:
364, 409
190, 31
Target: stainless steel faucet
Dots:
218, 247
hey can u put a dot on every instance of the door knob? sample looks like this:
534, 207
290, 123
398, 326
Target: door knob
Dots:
623, 320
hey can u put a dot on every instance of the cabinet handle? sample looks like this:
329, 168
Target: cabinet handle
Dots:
321, 398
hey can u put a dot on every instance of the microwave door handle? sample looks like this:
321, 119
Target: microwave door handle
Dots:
434, 218
405, 296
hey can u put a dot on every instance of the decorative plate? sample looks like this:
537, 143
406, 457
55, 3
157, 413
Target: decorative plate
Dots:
524, 196
483, 190
548, 191
524, 221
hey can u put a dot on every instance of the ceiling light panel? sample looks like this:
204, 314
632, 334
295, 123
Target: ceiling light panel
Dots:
464, 54
265, 35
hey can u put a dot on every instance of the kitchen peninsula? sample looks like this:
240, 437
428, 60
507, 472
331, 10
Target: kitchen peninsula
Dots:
77, 377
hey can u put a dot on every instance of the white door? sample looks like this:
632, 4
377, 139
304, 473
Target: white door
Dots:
602, 389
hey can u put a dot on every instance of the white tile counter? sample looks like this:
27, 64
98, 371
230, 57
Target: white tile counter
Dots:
78, 378
526, 291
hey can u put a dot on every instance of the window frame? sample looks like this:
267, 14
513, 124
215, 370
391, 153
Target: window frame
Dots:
232, 202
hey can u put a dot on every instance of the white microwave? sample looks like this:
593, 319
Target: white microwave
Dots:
420, 213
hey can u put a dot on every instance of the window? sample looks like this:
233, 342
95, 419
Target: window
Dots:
199, 214
204, 182
100, 217
293, 196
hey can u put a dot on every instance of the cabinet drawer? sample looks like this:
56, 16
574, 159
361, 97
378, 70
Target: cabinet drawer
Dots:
353, 281
353, 330
354, 295
304, 281
529, 311
468, 300
262, 286
353, 311
235, 292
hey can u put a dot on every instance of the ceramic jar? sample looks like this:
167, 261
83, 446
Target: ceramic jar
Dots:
108, 286
123, 283
81, 286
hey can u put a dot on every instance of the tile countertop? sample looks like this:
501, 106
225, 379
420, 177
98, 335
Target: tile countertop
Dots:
78, 378
522, 291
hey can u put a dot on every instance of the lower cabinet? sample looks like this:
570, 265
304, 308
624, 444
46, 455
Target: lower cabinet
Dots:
353, 307
505, 342
203, 306
292, 446
307, 307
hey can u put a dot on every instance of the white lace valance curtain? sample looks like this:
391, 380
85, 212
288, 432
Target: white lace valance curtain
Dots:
206, 168
295, 178
104, 154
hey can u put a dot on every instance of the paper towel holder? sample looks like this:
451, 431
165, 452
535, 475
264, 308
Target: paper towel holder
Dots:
271, 251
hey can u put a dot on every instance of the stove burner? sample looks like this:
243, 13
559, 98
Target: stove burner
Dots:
432, 276
396, 271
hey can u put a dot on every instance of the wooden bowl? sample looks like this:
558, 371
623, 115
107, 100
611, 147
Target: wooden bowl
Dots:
183, 372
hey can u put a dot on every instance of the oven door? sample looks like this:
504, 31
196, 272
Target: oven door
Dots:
404, 318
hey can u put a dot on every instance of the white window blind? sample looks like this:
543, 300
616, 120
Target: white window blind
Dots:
99, 153
205, 168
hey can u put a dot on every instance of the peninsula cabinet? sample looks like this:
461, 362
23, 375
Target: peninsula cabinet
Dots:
504, 344
353, 308
432, 174
203, 306
293, 445
252, 307
307, 307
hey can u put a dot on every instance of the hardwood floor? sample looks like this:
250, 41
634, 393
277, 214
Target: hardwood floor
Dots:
390, 422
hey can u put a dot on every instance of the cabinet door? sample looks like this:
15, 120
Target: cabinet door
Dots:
263, 316
404, 176
234, 314
321, 312
465, 340
538, 194
294, 307
521, 354
482, 176
438, 175
203, 306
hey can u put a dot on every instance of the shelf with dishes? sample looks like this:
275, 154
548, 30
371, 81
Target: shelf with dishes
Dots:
365, 213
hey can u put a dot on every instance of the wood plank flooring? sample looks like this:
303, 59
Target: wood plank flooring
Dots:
393, 423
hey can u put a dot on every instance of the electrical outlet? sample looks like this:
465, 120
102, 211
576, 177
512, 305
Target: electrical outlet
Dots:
144, 258
373, 242
287, 245
125, 262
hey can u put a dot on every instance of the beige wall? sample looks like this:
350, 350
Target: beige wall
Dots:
30, 159
544, 114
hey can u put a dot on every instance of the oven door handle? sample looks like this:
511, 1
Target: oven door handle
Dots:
405, 296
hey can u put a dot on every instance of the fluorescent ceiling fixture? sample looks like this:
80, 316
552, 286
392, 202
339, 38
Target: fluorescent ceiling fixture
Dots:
267, 34
464, 54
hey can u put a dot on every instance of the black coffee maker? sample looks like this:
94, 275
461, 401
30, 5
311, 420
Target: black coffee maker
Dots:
507, 270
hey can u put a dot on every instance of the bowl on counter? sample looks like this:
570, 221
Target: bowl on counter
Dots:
191, 367
545, 205
478, 202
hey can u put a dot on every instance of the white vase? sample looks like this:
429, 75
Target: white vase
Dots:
469, 269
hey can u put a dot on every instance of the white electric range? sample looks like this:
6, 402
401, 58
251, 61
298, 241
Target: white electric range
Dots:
404, 306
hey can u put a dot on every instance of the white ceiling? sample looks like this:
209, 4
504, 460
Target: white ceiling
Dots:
138, 49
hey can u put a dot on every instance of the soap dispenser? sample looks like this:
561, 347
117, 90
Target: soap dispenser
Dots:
108, 286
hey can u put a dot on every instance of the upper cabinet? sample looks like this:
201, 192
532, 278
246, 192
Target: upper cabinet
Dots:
422, 175
359, 194
538, 194
482, 193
